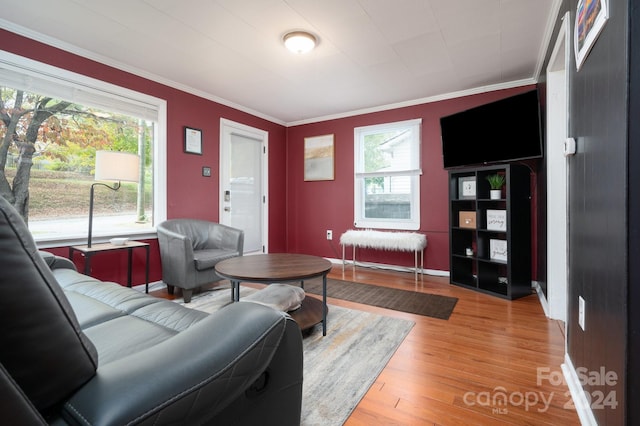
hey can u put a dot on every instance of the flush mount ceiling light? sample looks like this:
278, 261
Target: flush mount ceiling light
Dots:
300, 41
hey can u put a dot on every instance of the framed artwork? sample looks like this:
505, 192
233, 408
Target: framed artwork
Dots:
590, 19
192, 140
319, 158
467, 187
498, 250
497, 220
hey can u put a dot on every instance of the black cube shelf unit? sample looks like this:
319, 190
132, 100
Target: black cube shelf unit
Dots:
490, 239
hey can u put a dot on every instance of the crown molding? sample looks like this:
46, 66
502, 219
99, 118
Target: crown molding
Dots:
427, 100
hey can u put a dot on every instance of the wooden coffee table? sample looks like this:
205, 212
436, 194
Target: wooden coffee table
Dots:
278, 268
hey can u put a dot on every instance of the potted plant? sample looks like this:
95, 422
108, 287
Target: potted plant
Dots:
496, 182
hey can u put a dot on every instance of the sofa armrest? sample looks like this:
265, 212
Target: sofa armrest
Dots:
190, 377
56, 262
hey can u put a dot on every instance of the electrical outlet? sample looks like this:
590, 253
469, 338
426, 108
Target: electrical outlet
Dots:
581, 312
329, 234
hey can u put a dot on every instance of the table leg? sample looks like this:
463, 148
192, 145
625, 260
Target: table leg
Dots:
130, 259
146, 272
235, 291
87, 264
324, 304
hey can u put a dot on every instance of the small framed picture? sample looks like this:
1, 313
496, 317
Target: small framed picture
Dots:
192, 140
591, 16
467, 187
497, 220
319, 158
498, 250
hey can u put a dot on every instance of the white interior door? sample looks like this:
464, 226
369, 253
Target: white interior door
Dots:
557, 171
243, 183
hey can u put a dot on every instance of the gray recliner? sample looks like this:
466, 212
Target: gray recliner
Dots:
78, 351
190, 250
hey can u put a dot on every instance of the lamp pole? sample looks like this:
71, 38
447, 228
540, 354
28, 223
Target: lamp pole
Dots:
115, 187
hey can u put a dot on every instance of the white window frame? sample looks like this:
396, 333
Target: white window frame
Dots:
413, 222
26, 74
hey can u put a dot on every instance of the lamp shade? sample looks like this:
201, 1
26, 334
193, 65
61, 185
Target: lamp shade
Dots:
117, 166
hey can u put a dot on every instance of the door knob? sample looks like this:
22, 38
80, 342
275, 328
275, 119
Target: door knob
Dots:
227, 209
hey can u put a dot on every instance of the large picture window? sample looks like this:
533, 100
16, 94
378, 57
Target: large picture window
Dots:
52, 122
387, 175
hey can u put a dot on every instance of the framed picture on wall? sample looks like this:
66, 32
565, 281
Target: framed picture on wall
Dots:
590, 19
319, 158
192, 140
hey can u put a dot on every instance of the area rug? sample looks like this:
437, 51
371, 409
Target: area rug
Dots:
340, 367
431, 305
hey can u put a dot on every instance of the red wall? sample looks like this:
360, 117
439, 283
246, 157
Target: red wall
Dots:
299, 212
317, 206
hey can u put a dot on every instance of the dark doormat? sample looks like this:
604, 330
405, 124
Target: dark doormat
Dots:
430, 305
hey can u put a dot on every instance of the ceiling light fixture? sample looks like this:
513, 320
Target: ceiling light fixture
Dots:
300, 41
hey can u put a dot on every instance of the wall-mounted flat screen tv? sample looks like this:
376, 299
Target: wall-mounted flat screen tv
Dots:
503, 131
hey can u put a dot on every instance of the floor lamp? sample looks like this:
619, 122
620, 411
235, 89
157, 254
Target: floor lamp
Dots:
113, 166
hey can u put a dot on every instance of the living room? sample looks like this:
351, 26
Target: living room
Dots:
299, 217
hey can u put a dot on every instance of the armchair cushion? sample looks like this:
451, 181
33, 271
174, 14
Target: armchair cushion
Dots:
208, 258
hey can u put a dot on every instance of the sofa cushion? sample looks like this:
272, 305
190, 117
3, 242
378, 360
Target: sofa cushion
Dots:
44, 349
119, 321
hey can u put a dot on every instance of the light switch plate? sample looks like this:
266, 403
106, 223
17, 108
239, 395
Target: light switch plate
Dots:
206, 171
569, 147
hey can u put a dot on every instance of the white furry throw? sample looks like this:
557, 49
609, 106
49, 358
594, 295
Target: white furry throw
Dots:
399, 241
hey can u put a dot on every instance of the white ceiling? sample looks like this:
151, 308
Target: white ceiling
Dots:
372, 53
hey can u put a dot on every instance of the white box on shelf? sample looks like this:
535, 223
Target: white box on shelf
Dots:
497, 220
498, 250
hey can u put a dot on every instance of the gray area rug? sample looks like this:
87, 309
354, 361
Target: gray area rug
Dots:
339, 368
413, 302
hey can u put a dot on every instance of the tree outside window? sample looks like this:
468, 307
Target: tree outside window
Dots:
47, 157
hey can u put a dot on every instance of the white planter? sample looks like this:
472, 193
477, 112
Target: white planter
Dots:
495, 194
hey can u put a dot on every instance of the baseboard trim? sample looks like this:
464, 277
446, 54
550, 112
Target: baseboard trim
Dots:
541, 297
580, 401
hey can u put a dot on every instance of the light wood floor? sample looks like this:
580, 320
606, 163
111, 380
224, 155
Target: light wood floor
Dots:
458, 372
480, 367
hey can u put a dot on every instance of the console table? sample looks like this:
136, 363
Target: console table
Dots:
88, 253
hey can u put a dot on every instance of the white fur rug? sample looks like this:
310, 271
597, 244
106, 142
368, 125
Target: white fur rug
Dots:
385, 240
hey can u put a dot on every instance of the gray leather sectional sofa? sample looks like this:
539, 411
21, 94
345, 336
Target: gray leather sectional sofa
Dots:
75, 350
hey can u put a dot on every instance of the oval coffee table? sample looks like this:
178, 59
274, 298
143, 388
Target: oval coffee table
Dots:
276, 268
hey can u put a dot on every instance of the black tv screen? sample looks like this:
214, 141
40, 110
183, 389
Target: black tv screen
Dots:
503, 131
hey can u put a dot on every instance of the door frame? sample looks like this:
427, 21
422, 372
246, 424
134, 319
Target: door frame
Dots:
227, 128
558, 252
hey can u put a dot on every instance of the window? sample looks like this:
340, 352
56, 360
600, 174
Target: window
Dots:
387, 175
97, 115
